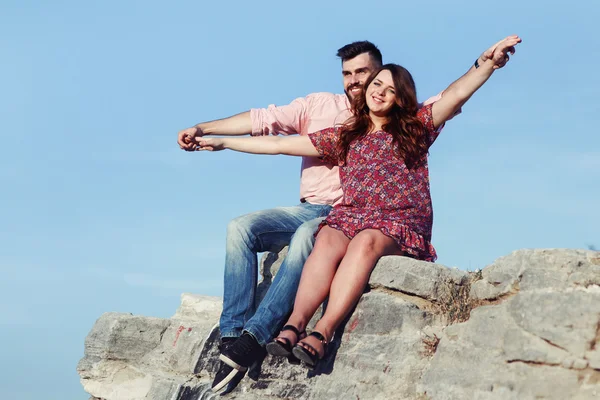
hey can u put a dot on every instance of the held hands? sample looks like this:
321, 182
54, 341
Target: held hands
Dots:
209, 144
499, 52
187, 138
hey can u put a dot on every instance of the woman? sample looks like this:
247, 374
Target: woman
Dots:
382, 154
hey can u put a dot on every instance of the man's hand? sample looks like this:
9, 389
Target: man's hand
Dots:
187, 138
209, 144
499, 52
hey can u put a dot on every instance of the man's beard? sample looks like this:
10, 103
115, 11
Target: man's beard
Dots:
349, 88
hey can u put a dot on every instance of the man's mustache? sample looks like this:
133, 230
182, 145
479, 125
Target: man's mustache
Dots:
355, 85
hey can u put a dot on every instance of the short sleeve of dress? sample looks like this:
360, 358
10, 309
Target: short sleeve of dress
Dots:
424, 115
325, 141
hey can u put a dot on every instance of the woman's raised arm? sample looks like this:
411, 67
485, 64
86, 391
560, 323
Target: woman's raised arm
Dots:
463, 88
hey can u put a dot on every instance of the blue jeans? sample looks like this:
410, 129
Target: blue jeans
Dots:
268, 230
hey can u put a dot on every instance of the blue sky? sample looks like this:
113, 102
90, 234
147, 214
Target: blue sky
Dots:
101, 211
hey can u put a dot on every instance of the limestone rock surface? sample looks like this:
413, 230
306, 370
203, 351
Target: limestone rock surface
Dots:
525, 327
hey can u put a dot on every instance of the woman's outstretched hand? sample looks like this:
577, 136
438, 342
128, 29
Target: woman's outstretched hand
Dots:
500, 51
186, 138
209, 144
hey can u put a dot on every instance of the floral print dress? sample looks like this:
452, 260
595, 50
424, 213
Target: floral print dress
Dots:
380, 192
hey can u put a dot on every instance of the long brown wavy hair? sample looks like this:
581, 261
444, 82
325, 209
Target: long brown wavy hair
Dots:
407, 131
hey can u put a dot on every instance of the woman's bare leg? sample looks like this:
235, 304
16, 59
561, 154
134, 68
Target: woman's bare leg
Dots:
350, 279
317, 275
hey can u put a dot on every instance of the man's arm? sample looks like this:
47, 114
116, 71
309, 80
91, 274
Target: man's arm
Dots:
239, 124
286, 119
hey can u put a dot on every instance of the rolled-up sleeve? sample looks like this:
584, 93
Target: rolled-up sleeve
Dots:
325, 141
426, 117
435, 98
432, 100
288, 119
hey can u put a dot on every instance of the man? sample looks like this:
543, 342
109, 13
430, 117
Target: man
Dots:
245, 329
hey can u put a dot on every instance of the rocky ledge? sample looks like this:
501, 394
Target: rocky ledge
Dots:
525, 327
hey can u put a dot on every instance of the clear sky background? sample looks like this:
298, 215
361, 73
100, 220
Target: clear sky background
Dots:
101, 211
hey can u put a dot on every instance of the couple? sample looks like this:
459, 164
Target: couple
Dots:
375, 139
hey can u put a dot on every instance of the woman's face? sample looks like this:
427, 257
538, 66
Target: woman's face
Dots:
381, 93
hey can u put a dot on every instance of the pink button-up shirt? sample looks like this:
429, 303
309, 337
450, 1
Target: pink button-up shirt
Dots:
319, 181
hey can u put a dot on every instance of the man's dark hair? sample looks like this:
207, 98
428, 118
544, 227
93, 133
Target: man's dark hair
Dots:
354, 49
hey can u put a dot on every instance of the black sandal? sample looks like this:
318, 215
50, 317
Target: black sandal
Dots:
307, 353
281, 346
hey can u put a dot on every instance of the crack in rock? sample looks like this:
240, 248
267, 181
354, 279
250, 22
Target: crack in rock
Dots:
421, 302
552, 344
596, 340
531, 362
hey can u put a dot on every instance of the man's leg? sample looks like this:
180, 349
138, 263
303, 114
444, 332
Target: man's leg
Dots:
268, 230
279, 300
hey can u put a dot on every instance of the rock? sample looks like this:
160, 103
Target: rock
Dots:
527, 326
525, 346
567, 320
537, 269
269, 266
133, 357
419, 278
199, 308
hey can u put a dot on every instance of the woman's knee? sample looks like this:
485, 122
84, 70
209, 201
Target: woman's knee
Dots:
332, 241
370, 243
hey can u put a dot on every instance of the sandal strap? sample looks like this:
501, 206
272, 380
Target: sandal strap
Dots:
319, 336
291, 328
